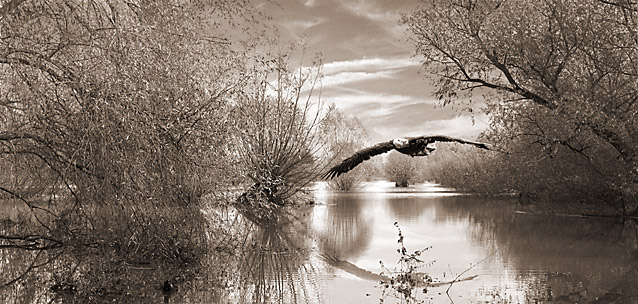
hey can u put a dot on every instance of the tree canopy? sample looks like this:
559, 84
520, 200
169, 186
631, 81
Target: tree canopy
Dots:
124, 94
113, 111
555, 74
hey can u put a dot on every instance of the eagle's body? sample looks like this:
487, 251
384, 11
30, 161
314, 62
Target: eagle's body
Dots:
413, 146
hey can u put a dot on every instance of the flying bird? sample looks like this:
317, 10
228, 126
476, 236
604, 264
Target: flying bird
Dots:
413, 146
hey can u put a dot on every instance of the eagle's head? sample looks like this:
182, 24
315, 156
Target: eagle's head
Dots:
430, 147
400, 143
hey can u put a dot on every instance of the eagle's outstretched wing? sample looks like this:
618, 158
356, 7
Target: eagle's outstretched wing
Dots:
443, 138
357, 158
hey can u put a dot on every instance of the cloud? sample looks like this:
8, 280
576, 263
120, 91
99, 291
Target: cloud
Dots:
387, 13
364, 103
348, 77
461, 126
387, 116
365, 75
371, 10
368, 64
309, 3
298, 26
391, 99
369, 71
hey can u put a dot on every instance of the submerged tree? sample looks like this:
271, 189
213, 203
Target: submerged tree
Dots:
401, 169
572, 61
277, 138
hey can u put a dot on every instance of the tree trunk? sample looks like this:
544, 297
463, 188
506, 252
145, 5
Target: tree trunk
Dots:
625, 149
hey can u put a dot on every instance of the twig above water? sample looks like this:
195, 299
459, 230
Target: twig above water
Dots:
456, 279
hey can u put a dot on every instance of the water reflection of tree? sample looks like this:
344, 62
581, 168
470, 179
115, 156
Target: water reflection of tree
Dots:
21, 265
261, 262
83, 268
408, 208
23, 253
346, 233
570, 259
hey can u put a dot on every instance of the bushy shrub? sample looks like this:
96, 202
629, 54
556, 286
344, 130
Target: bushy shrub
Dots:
401, 169
277, 138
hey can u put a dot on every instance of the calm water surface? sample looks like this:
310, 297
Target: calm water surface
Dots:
525, 258
330, 253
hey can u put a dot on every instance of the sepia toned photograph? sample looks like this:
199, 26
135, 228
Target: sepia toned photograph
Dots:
319, 151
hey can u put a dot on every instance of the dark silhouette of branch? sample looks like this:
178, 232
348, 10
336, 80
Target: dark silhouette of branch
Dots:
458, 277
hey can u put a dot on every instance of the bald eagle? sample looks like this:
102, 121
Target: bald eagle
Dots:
413, 146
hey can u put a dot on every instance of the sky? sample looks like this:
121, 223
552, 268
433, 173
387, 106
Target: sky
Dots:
370, 68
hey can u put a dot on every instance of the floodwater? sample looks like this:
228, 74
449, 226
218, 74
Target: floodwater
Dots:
330, 252
515, 257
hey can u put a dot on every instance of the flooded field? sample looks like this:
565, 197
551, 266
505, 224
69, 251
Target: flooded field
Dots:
331, 252
522, 258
